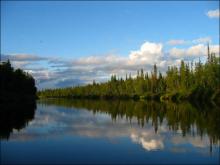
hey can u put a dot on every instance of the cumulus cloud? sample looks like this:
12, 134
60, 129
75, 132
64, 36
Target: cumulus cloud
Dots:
193, 51
100, 68
149, 53
213, 13
176, 42
197, 50
52, 72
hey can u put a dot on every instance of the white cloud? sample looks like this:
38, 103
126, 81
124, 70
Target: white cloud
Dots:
193, 51
215, 49
213, 13
197, 50
98, 60
175, 52
20, 64
49, 72
202, 40
92, 60
176, 42
43, 75
149, 53
194, 41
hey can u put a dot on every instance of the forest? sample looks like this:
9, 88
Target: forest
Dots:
15, 84
194, 81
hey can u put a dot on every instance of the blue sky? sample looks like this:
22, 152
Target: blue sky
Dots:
81, 31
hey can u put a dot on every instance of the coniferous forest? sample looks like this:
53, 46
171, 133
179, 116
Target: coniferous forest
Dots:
195, 81
16, 85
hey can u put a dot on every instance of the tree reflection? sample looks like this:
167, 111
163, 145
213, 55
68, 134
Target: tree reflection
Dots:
193, 119
15, 116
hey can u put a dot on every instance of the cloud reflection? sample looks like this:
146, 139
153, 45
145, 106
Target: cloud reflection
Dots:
148, 140
54, 121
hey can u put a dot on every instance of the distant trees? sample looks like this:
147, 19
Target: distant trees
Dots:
15, 84
196, 81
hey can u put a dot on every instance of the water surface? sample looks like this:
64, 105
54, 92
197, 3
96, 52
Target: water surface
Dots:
98, 131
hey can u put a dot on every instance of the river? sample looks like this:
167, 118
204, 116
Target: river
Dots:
114, 131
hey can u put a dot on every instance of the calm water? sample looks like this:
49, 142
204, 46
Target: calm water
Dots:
83, 131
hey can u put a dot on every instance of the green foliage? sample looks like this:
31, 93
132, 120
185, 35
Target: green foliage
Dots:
15, 84
197, 82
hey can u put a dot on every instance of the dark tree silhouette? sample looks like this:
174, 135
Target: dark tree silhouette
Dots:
15, 85
15, 116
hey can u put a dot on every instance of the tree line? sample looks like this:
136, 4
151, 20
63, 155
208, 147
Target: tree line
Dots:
15, 84
194, 81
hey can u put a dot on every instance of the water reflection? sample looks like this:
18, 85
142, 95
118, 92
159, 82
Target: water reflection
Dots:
183, 117
138, 131
153, 125
148, 140
15, 117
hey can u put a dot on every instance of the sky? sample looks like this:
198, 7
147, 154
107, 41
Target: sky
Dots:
72, 43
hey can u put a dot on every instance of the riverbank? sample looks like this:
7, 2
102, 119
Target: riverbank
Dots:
201, 95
